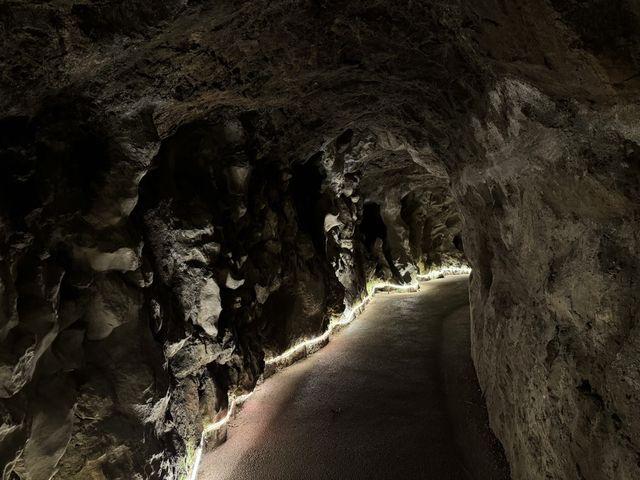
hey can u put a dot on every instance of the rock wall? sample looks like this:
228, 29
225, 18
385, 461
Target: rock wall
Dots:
554, 283
551, 218
139, 292
187, 187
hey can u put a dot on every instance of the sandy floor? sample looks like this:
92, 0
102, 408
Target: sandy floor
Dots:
393, 396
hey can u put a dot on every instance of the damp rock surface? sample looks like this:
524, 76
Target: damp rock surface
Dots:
190, 187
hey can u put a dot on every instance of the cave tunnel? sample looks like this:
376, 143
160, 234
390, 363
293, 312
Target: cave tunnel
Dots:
304, 240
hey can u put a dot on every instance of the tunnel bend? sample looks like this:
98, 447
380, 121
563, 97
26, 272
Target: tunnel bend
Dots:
149, 212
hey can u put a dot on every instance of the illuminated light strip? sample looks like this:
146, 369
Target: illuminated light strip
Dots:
433, 274
214, 427
196, 462
293, 351
235, 402
349, 315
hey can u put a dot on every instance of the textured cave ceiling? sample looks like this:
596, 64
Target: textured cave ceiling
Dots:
186, 186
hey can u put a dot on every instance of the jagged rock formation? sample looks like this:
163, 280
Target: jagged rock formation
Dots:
187, 186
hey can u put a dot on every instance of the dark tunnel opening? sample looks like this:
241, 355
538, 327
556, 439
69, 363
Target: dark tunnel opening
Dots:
372, 226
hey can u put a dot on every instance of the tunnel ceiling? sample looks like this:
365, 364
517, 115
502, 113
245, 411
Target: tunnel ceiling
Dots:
187, 187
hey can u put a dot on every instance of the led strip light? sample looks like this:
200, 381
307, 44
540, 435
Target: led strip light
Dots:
457, 270
234, 402
311, 345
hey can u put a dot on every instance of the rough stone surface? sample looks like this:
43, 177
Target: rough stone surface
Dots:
321, 418
566, 305
151, 151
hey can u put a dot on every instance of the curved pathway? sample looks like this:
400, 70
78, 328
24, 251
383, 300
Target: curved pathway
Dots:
392, 396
